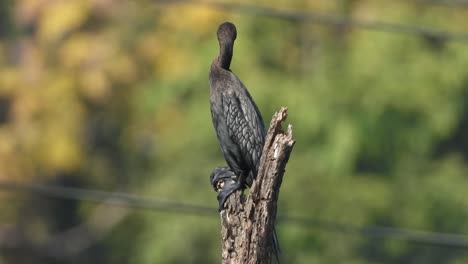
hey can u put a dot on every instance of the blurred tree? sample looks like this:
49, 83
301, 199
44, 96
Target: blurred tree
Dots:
114, 95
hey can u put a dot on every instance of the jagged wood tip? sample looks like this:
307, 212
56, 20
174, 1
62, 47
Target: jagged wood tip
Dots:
247, 223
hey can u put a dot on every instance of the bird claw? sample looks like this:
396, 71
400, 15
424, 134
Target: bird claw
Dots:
225, 182
226, 192
220, 176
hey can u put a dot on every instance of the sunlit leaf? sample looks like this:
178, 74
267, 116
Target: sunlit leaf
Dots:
61, 17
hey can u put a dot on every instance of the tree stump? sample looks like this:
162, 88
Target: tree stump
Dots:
247, 223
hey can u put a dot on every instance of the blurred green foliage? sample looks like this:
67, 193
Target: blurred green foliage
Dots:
114, 95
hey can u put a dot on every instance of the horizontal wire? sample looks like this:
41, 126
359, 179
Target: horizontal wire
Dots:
445, 3
135, 201
155, 204
328, 19
111, 198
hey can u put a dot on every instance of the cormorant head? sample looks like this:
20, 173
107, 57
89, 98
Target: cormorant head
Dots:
227, 33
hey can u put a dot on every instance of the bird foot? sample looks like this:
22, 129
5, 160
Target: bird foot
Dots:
225, 182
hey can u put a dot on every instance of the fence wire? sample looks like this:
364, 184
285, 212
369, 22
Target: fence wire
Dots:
159, 204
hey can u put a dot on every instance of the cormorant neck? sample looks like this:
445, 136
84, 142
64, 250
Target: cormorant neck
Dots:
225, 55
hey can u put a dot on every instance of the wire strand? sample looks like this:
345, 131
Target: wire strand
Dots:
328, 19
155, 204
111, 198
445, 3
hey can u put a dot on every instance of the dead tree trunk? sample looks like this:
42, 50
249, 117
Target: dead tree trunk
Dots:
248, 223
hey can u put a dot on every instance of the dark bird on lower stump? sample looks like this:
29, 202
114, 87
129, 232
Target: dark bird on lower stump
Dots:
236, 118
238, 124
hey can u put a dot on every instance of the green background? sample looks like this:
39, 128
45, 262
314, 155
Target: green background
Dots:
113, 95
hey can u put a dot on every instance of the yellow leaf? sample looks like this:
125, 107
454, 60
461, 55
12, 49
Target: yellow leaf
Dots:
95, 85
198, 19
75, 50
121, 68
9, 79
60, 151
62, 17
149, 47
87, 50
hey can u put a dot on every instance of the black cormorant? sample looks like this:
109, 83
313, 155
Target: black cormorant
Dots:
238, 124
236, 118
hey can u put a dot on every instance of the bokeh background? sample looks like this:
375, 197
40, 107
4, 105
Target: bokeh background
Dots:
113, 96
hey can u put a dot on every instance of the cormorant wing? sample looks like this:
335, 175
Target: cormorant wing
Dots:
245, 125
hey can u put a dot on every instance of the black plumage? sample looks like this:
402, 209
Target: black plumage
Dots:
236, 118
238, 124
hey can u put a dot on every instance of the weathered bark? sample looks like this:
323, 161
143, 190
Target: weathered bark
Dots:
248, 223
